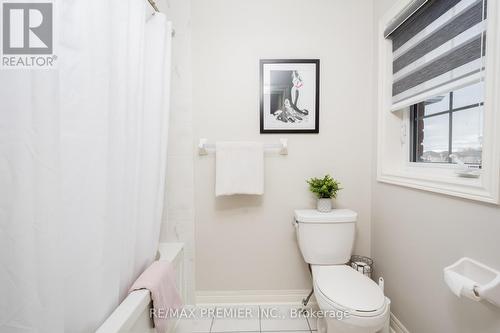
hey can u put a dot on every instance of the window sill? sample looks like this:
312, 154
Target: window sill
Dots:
441, 180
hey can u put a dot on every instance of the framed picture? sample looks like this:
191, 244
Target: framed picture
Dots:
289, 96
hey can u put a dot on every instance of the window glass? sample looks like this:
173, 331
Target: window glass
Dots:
433, 136
469, 95
437, 104
468, 134
449, 124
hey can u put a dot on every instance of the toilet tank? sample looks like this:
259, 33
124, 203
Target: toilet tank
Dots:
325, 238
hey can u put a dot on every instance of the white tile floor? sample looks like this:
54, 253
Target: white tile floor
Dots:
257, 318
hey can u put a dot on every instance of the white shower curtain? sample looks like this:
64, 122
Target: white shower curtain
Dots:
82, 167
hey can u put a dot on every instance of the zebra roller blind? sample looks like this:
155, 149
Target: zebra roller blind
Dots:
438, 46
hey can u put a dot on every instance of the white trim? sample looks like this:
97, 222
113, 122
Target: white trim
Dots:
253, 296
397, 326
392, 146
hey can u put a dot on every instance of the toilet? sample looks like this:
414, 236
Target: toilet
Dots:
351, 302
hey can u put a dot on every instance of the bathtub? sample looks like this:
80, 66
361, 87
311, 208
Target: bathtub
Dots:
132, 315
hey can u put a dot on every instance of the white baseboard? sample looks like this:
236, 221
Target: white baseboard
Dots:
252, 296
397, 326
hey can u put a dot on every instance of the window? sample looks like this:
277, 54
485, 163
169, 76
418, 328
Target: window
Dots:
449, 128
438, 84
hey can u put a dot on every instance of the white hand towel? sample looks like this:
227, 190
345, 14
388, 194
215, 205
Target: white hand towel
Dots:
239, 168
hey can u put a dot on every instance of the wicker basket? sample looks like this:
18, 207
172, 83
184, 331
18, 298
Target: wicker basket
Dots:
362, 264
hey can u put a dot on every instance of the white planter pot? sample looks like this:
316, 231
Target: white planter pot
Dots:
324, 205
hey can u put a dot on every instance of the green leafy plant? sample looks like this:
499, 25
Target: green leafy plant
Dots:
324, 188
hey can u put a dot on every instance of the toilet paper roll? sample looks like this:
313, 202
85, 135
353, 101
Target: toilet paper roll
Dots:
470, 291
461, 285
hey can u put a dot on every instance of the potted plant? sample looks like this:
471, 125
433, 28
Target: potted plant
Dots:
325, 189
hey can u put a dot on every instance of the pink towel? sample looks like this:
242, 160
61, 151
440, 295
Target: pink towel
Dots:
159, 279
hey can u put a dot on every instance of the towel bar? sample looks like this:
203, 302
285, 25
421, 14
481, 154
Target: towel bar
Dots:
204, 148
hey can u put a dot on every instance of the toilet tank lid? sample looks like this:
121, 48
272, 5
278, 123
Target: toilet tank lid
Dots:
335, 216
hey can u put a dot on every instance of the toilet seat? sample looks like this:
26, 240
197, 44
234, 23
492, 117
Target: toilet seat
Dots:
345, 289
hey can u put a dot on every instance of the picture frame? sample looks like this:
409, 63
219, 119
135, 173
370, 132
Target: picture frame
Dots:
289, 95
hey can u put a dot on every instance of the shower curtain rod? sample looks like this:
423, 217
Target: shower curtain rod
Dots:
153, 4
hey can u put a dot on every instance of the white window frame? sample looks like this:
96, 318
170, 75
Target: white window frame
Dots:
393, 145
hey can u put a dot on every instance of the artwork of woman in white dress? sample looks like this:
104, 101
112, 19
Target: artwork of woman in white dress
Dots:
289, 96
286, 102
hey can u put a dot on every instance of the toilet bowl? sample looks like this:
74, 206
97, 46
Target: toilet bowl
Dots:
350, 301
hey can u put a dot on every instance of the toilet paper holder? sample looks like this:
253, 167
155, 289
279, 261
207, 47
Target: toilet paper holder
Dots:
474, 280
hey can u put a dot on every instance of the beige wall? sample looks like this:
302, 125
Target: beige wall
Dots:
249, 243
415, 234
